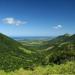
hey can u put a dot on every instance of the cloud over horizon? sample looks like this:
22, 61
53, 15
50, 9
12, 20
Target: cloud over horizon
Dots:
58, 27
13, 21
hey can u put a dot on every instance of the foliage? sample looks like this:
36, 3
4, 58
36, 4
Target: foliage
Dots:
42, 58
66, 69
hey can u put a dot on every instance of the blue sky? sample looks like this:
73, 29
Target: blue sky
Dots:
37, 17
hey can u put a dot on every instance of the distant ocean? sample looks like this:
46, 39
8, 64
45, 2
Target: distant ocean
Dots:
33, 38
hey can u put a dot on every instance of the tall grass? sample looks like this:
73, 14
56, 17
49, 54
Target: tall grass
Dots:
63, 69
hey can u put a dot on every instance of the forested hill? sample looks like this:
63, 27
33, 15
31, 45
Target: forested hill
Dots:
63, 49
63, 38
12, 54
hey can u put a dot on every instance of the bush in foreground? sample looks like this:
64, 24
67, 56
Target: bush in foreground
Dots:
66, 69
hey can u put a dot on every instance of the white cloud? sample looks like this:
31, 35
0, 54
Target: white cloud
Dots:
13, 21
57, 27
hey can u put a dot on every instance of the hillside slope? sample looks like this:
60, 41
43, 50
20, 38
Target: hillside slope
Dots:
63, 49
12, 54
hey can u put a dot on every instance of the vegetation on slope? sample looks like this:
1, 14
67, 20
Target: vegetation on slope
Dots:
11, 55
48, 55
57, 50
64, 69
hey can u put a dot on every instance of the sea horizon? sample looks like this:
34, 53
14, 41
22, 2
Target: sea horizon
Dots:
32, 37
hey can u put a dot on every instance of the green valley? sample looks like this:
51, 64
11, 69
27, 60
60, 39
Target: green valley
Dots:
37, 57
